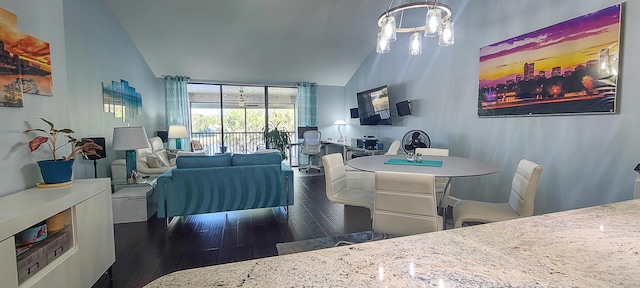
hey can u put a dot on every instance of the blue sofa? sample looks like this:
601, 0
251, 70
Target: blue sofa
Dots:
207, 184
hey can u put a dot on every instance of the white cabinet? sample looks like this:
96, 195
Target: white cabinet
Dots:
87, 210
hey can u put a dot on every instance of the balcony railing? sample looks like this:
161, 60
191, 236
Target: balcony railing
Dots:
235, 142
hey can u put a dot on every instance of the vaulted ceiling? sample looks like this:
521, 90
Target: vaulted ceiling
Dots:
253, 41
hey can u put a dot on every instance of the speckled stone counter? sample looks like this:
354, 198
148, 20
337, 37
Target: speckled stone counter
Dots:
590, 247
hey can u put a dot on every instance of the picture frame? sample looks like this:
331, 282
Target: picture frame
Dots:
568, 68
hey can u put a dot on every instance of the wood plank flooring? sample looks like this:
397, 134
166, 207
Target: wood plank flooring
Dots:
148, 250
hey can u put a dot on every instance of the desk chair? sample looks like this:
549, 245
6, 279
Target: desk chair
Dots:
337, 184
441, 182
521, 199
311, 147
405, 204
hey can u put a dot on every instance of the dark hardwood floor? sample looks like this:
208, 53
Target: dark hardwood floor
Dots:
148, 250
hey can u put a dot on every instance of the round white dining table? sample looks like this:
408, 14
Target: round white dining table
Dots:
451, 167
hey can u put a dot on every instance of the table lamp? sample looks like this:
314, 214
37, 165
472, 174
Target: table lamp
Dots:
178, 132
340, 123
128, 139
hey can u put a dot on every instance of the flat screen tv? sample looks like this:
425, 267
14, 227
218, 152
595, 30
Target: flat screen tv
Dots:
373, 106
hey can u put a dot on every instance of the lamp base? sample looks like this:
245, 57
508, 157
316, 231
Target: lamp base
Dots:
130, 156
178, 143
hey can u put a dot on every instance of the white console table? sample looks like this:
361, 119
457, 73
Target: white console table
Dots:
86, 207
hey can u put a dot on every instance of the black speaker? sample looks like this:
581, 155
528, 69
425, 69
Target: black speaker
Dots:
403, 108
101, 153
354, 113
164, 135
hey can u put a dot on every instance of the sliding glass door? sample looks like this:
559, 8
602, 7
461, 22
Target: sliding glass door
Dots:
232, 118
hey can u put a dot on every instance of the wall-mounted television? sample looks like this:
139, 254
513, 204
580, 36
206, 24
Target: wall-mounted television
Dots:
373, 106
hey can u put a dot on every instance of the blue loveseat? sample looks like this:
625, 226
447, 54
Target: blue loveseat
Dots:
207, 184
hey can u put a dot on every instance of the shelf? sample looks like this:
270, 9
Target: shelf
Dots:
37, 258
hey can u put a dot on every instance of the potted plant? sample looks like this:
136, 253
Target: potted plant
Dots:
277, 139
59, 170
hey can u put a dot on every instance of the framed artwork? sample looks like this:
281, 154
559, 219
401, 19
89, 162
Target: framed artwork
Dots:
568, 68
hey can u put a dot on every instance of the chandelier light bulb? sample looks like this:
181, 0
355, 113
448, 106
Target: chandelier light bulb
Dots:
389, 28
382, 45
433, 23
415, 44
447, 36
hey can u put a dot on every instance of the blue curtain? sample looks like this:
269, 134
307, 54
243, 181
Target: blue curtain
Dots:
307, 104
176, 101
307, 110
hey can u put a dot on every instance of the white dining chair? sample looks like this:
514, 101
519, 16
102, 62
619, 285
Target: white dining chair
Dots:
405, 204
337, 184
393, 148
521, 199
441, 182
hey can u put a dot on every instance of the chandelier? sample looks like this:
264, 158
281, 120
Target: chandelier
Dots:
437, 23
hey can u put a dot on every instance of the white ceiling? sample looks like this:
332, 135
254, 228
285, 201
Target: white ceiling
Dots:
253, 41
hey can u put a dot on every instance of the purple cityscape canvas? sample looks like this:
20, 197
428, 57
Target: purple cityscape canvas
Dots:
567, 68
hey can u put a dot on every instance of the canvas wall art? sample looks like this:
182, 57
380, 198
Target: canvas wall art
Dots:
121, 100
25, 63
568, 68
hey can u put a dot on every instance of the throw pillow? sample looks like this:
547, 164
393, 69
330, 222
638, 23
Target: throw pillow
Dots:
154, 161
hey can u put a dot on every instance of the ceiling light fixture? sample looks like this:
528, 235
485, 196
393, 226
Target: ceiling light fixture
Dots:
438, 23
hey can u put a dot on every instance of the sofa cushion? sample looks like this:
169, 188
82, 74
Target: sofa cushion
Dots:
256, 159
153, 161
153, 147
203, 161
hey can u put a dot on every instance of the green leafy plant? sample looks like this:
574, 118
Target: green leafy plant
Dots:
277, 139
82, 145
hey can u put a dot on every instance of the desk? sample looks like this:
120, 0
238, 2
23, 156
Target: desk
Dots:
345, 147
451, 167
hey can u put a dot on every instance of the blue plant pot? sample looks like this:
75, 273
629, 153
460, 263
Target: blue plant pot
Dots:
54, 172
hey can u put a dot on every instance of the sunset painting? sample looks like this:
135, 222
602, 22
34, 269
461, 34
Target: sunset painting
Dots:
25, 63
567, 68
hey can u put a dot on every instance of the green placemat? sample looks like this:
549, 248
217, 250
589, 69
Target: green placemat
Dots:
432, 163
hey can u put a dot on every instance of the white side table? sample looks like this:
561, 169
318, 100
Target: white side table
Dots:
133, 203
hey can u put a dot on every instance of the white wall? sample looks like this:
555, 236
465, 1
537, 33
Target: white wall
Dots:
99, 50
586, 160
88, 46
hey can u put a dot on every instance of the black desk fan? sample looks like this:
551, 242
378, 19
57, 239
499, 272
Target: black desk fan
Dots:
415, 139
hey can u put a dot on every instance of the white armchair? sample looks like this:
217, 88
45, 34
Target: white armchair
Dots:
150, 161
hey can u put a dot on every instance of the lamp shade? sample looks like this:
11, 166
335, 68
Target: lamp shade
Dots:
340, 122
129, 138
177, 131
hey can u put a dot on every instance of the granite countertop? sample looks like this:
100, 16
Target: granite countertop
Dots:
589, 247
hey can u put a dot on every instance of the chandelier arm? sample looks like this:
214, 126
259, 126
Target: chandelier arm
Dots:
415, 5
401, 16
390, 4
